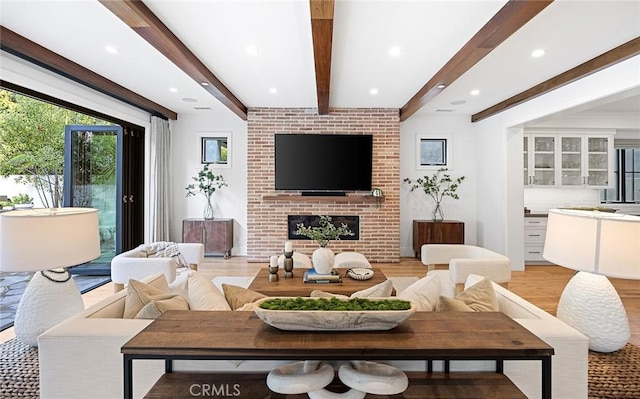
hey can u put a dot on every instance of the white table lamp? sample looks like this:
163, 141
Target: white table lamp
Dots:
597, 244
47, 240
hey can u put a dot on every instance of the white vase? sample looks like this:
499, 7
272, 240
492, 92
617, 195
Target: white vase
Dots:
322, 259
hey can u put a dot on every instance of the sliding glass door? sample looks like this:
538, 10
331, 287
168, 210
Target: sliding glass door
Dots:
93, 179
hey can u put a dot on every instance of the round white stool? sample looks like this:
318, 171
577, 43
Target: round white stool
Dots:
375, 378
300, 377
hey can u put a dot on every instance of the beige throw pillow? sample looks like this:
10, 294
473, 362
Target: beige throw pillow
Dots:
324, 294
154, 309
204, 295
424, 293
381, 290
140, 294
237, 297
480, 297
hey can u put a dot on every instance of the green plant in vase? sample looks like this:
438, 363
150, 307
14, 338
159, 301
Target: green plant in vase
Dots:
322, 258
206, 183
437, 187
325, 232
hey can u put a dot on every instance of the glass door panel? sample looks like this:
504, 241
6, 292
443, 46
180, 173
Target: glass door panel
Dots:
571, 159
91, 177
544, 144
598, 161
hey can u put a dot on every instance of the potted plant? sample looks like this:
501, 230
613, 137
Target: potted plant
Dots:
22, 201
6, 205
322, 258
206, 184
437, 187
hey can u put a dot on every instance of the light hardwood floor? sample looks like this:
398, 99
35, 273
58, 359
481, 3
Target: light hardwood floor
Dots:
541, 285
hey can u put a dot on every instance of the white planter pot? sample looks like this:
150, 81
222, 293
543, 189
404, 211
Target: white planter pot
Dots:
322, 259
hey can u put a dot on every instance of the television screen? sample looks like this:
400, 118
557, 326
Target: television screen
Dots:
323, 162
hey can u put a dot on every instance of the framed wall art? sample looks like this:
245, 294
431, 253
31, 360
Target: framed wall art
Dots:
215, 149
433, 152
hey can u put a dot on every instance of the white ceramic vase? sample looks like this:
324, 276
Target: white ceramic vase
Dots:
322, 259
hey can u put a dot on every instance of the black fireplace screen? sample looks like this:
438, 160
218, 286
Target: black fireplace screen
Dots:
353, 222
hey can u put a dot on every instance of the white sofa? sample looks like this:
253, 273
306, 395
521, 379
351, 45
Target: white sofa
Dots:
464, 260
132, 265
81, 357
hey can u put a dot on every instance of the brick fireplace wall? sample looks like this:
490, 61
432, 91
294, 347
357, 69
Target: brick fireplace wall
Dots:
267, 209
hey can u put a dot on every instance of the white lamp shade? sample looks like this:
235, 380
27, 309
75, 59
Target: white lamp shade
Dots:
597, 242
42, 239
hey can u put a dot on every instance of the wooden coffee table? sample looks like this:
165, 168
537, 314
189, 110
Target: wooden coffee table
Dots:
297, 287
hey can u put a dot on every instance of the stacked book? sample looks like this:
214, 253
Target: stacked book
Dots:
311, 276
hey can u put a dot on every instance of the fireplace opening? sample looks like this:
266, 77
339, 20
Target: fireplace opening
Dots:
353, 222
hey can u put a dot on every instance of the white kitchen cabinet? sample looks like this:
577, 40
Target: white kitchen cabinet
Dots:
568, 160
535, 229
540, 160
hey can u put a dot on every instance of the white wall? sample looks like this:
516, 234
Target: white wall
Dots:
417, 205
228, 202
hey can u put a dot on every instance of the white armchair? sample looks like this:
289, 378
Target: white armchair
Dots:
131, 265
464, 260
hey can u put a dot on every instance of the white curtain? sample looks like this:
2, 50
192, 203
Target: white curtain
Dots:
159, 177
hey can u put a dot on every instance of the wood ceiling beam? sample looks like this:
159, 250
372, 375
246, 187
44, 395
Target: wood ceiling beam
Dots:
605, 60
13, 43
139, 17
322, 34
511, 17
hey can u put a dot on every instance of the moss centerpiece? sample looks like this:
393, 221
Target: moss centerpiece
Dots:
319, 314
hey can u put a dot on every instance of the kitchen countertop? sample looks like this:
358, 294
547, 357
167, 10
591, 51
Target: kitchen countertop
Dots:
535, 215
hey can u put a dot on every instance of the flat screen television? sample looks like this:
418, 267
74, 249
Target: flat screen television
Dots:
323, 162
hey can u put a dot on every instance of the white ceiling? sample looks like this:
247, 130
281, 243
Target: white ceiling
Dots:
429, 32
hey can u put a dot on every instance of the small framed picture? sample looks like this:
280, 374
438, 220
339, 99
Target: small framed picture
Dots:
215, 150
433, 152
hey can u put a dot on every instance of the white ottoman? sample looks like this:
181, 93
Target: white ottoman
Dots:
351, 260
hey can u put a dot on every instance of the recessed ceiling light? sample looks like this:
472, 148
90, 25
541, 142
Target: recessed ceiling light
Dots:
475, 92
458, 102
273, 90
189, 100
538, 53
373, 92
173, 90
441, 86
111, 50
395, 51
251, 49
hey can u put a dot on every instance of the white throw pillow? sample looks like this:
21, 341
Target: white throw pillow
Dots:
381, 290
204, 295
424, 293
180, 285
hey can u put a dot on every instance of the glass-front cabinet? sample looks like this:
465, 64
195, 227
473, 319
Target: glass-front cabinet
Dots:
568, 160
539, 161
599, 154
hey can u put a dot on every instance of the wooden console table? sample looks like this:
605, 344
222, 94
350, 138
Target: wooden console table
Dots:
430, 232
215, 234
232, 335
